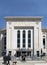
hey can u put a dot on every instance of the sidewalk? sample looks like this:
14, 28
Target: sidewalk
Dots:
40, 62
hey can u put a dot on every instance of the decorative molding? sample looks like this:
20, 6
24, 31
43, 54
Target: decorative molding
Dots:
23, 27
9, 23
37, 23
10, 27
23, 18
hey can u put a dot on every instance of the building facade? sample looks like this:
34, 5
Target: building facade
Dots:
23, 35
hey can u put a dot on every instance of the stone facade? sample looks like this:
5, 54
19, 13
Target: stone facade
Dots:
33, 24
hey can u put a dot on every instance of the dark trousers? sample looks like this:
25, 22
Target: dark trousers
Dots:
8, 63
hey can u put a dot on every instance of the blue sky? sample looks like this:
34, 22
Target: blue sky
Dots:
23, 8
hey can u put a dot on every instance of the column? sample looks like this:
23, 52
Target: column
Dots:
20, 39
13, 52
46, 43
26, 39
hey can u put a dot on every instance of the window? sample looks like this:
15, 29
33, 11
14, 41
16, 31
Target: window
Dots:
18, 38
29, 38
4, 33
23, 38
5, 47
44, 42
43, 36
4, 42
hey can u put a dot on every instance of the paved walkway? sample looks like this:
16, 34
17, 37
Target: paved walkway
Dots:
31, 62
40, 62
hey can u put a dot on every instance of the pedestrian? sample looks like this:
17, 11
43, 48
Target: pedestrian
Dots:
8, 59
4, 59
41, 53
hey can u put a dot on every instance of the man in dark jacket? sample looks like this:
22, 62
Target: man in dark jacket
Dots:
4, 59
8, 58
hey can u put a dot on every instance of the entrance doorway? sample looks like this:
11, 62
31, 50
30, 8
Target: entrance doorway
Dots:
29, 53
20, 53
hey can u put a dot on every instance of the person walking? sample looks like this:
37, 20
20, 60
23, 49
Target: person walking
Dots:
41, 53
8, 59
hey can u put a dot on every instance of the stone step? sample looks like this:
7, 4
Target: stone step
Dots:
27, 62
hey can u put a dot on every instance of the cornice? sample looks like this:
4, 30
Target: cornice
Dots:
23, 18
44, 29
